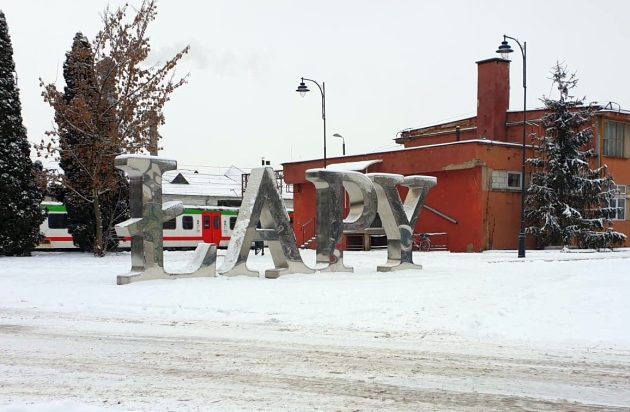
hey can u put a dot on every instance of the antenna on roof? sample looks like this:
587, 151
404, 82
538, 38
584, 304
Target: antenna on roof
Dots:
609, 105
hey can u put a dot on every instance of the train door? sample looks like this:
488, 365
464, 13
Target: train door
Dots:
211, 227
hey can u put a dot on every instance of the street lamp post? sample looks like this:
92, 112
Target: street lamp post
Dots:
343, 143
504, 49
303, 89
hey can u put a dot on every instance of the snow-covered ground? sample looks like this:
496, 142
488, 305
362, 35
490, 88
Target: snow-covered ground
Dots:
482, 331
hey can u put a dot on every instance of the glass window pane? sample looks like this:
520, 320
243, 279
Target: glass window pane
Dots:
514, 180
614, 133
57, 221
187, 222
170, 224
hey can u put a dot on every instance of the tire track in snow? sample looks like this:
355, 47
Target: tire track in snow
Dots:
185, 372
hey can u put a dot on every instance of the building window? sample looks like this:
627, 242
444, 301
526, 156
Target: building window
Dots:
187, 222
504, 180
57, 221
619, 202
615, 139
513, 180
169, 224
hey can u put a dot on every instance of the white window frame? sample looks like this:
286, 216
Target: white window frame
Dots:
614, 145
520, 180
619, 202
501, 180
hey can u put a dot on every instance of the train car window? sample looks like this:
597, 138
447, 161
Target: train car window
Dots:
206, 222
57, 221
187, 222
217, 222
232, 222
170, 224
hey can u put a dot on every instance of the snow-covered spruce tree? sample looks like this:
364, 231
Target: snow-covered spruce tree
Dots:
20, 213
568, 202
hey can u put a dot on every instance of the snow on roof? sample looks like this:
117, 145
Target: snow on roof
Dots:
213, 170
353, 166
235, 173
622, 111
213, 190
200, 184
225, 185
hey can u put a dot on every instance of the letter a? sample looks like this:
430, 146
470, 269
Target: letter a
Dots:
262, 203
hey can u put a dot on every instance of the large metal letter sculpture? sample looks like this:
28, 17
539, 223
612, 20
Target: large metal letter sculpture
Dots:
148, 228
262, 203
330, 226
400, 220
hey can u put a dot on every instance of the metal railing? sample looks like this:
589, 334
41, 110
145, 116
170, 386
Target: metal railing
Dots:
430, 241
308, 230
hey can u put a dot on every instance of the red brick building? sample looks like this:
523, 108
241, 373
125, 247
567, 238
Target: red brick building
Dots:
477, 161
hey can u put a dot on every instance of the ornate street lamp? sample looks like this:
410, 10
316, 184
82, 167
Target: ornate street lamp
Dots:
505, 49
343, 143
303, 89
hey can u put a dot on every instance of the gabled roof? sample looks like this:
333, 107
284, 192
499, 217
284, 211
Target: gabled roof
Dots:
180, 179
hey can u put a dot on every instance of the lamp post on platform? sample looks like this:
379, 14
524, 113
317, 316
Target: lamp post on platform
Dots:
343, 143
303, 89
505, 49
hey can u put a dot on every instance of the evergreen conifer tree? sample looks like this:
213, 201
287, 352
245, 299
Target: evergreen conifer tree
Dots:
96, 193
568, 202
20, 198
78, 73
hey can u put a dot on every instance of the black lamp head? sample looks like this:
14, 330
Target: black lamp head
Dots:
504, 49
302, 88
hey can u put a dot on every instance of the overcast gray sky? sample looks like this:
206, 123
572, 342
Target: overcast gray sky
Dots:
387, 65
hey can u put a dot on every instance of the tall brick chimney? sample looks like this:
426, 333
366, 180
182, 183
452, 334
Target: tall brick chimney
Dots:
493, 98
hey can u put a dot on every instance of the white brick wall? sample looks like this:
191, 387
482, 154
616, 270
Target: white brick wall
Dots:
499, 179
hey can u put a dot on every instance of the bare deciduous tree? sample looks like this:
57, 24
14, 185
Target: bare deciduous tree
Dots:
112, 103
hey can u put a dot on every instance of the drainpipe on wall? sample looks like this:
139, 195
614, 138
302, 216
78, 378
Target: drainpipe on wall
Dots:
457, 134
598, 145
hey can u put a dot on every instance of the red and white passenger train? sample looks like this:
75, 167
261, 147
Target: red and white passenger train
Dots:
209, 224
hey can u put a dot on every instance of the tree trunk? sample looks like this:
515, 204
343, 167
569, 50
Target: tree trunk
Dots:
99, 247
